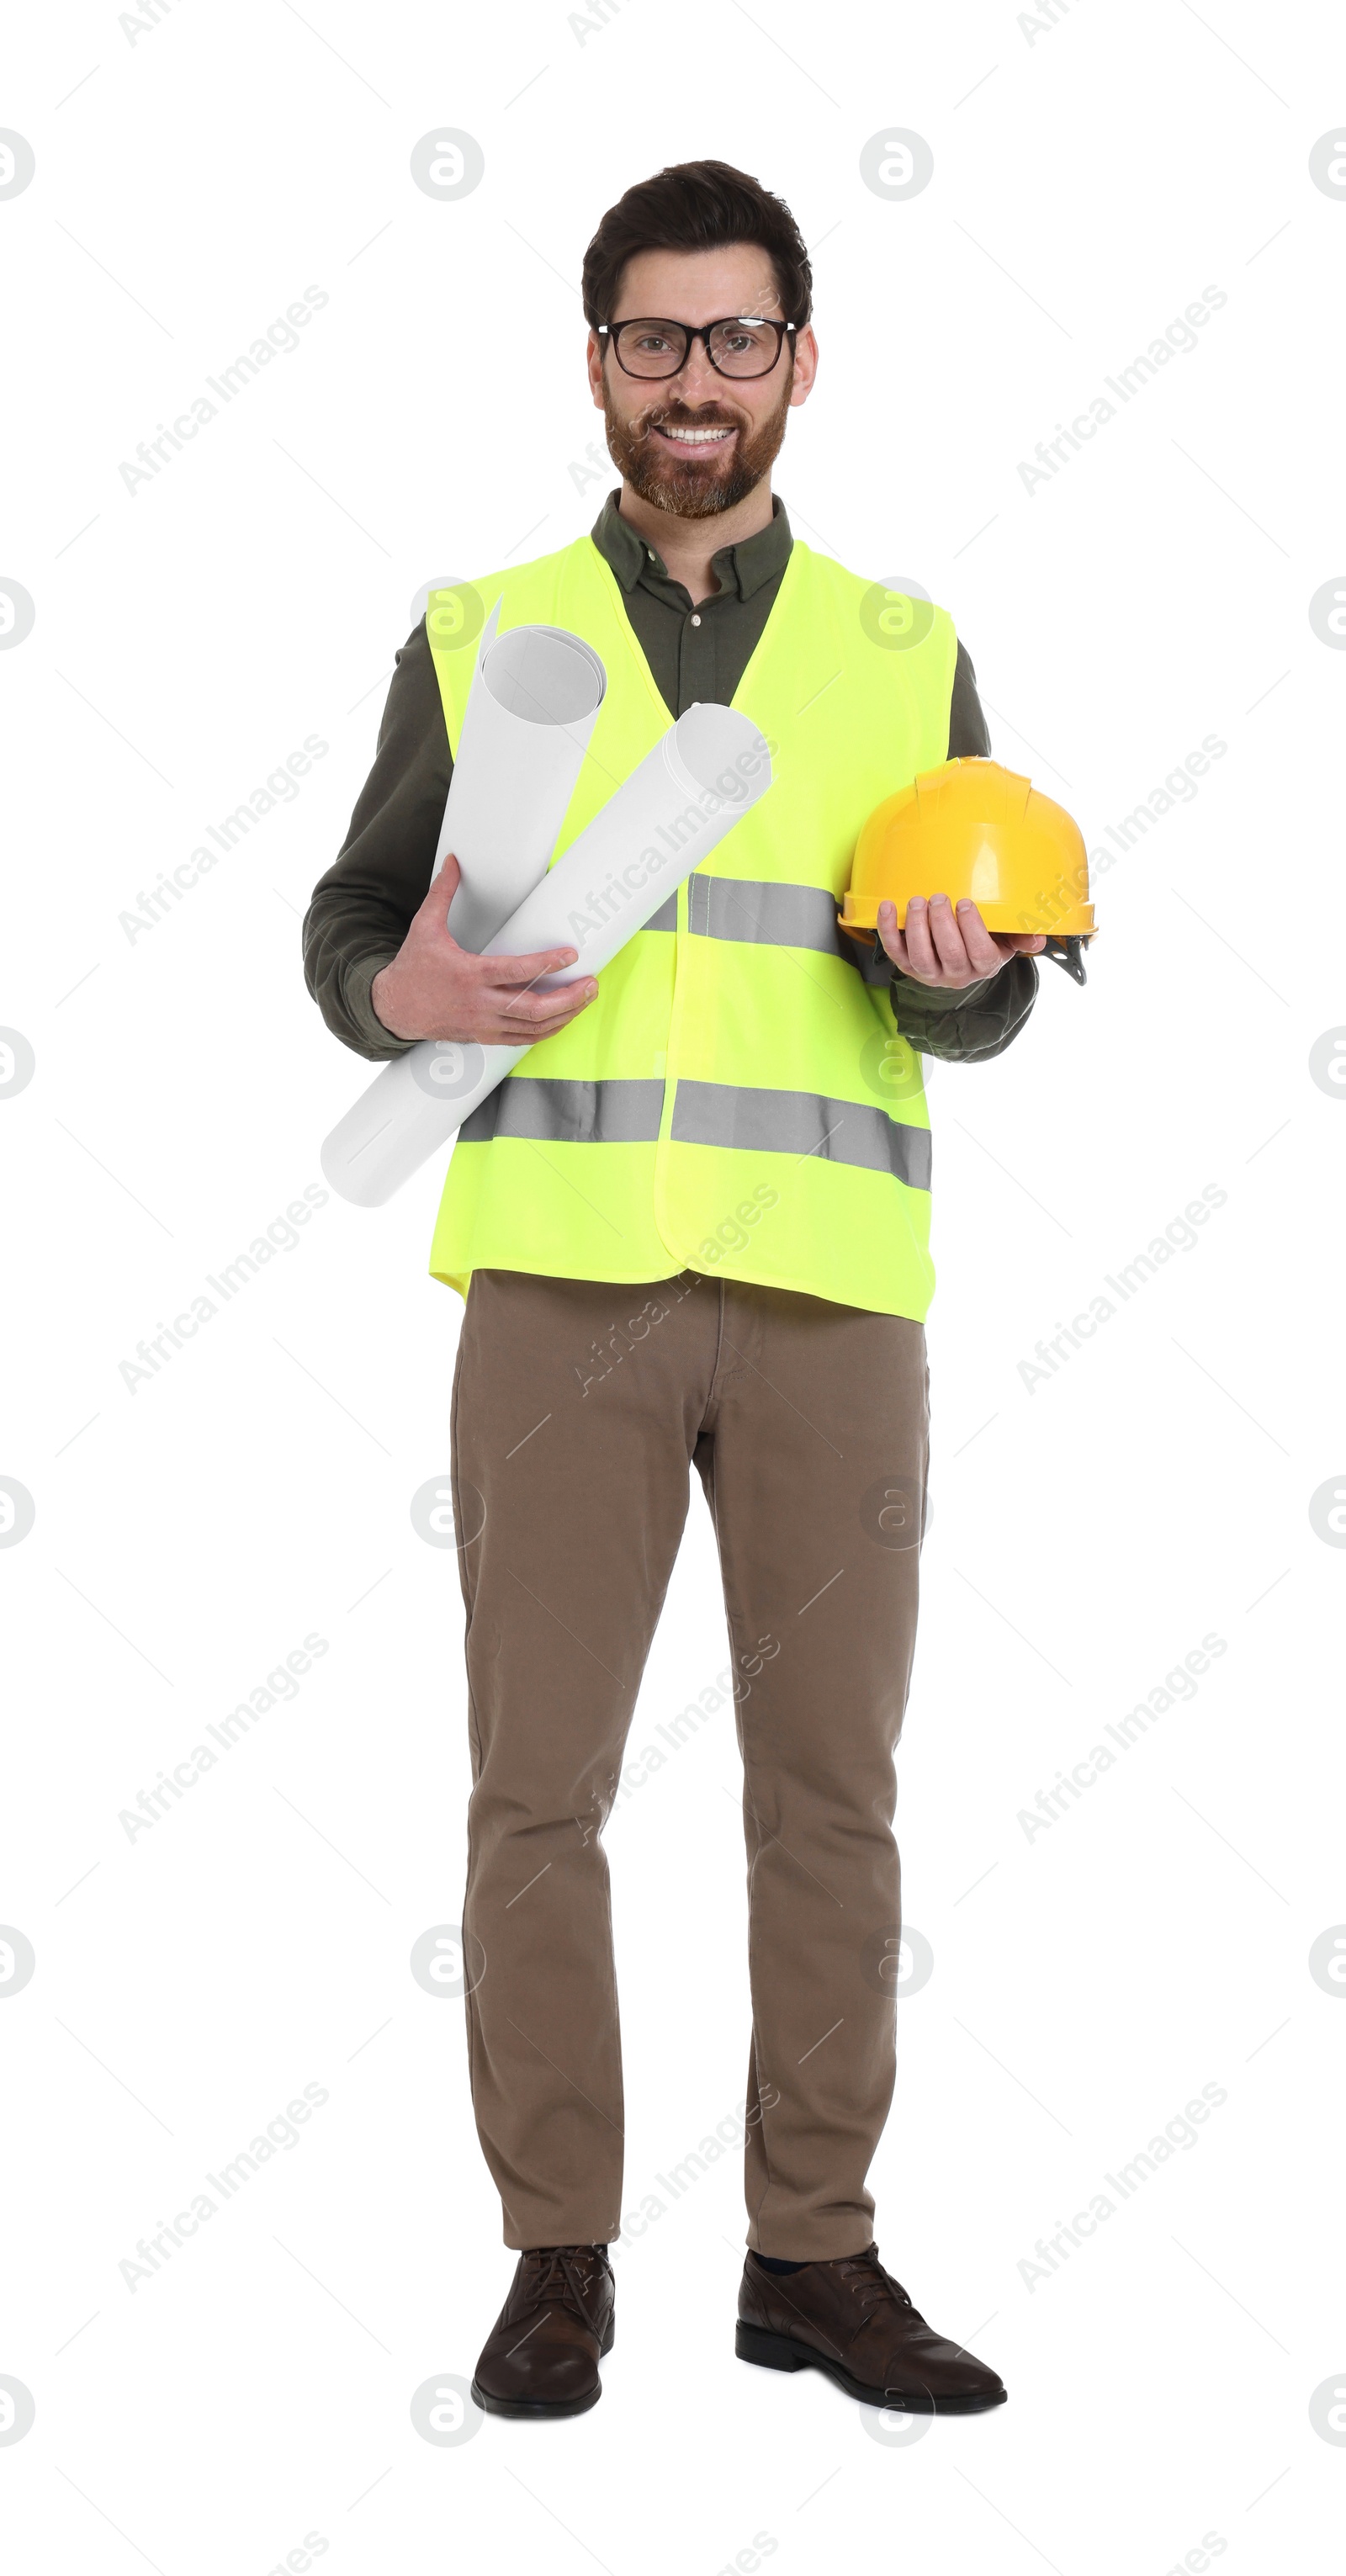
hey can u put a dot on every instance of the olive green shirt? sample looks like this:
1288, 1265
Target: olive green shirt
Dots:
363, 906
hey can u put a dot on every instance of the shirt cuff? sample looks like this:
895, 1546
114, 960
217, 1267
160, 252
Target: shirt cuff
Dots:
375, 1038
940, 994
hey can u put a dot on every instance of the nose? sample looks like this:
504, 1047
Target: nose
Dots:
696, 379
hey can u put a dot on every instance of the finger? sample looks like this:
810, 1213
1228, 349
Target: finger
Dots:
513, 1030
442, 889
985, 952
948, 940
891, 940
537, 1010
511, 1034
509, 971
531, 1009
922, 961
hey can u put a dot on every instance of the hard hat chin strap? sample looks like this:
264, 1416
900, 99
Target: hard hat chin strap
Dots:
1068, 954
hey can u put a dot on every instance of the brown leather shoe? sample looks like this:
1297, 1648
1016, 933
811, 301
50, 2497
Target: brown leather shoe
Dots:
853, 2320
541, 2356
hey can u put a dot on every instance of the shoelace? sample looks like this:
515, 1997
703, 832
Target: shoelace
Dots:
564, 2273
865, 2275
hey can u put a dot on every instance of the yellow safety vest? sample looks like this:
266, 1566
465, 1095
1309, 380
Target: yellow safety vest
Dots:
737, 1100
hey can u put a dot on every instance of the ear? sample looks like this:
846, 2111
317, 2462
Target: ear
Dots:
806, 365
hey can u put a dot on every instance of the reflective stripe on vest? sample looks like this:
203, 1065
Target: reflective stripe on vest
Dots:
704, 1113
778, 916
568, 1113
801, 1123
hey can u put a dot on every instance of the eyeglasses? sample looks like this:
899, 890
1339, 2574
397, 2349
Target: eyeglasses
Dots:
741, 344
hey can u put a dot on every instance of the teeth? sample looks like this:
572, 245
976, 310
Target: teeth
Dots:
719, 430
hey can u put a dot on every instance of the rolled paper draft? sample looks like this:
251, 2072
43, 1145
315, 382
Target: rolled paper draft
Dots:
701, 777
530, 715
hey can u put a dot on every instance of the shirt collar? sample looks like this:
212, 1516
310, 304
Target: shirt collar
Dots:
742, 568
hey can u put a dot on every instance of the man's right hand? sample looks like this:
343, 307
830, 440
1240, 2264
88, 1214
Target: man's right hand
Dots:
433, 988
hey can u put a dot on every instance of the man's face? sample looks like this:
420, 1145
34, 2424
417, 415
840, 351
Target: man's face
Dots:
731, 427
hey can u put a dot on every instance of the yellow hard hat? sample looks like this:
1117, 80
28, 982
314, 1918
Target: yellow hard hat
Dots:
973, 828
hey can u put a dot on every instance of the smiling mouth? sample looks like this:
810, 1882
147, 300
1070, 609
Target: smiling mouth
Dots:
697, 441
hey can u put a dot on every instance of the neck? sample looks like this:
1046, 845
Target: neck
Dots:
685, 546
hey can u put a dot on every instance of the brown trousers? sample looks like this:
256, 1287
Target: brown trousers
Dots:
577, 1409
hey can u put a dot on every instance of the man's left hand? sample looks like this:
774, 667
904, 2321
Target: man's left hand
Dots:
950, 945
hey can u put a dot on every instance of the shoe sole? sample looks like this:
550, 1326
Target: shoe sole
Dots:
542, 2407
783, 2352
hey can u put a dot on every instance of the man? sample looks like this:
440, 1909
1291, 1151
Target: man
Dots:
691, 1227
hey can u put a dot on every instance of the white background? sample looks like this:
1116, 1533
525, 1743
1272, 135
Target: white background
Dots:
1091, 177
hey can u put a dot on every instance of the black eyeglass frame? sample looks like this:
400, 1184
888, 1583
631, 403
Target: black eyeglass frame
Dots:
694, 332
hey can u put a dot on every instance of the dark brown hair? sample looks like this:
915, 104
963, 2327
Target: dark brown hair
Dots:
697, 205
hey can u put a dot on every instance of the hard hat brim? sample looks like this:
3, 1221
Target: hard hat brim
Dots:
1075, 920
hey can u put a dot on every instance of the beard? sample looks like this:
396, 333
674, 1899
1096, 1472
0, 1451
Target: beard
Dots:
695, 487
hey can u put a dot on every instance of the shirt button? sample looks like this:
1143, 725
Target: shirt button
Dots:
696, 621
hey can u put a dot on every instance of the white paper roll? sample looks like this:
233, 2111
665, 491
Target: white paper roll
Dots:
531, 710
710, 768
